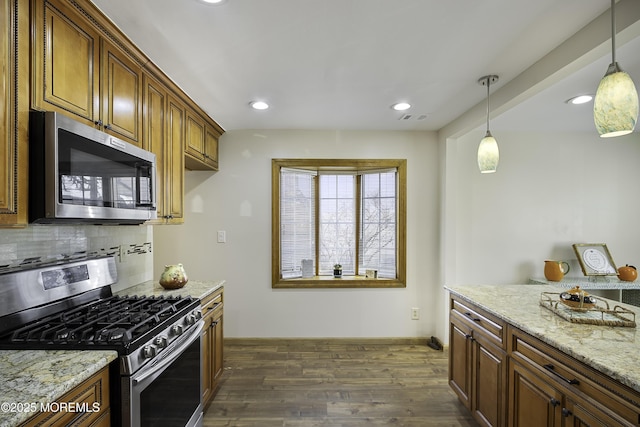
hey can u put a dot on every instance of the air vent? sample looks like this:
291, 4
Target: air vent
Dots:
412, 117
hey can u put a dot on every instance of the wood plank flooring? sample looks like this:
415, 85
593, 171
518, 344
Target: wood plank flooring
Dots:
321, 382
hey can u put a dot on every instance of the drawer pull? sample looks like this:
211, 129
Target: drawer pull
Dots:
475, 319
551, 369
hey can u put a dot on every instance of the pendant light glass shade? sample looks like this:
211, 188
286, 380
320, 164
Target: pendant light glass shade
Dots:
488, 154
615, 107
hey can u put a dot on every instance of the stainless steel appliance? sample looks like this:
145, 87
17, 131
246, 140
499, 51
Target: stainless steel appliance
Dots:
80, 174
68, 304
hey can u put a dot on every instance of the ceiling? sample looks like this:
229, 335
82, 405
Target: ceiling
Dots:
341, 64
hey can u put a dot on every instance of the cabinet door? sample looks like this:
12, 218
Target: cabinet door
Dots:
195, 135
14, 107
489, 383
121, 93
154, 126
534, 401
218, 355
66, 58
581, 413
208, 336
211, 147
174, 162
460, 362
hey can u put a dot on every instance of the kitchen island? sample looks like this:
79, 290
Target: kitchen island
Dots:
515, 362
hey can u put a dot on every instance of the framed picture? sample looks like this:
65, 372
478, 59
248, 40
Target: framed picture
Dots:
595, 259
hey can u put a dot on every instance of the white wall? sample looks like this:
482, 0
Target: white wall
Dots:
550, 191
237, 199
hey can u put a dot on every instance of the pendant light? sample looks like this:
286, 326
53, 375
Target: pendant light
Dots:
488, 153
615, 108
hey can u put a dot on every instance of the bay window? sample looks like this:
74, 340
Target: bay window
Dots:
338, 212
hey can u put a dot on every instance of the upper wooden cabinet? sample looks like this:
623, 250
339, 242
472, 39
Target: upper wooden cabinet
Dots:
164, 134
201, 150
14, 111
83, 72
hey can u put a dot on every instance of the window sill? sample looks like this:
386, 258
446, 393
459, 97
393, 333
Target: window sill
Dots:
344, 282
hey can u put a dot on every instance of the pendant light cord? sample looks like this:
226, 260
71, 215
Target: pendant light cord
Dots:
613, 31
488, 84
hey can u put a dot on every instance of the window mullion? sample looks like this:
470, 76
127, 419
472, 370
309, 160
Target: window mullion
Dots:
316, 184
358, 225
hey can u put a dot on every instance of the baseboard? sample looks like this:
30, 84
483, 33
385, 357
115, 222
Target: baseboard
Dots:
362, 341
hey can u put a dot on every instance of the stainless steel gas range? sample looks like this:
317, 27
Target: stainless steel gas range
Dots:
68, 304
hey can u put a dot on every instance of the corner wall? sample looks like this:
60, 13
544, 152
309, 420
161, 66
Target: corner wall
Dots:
237, 199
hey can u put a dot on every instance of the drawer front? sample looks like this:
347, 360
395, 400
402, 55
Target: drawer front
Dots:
575, 376
493, 327
211, 304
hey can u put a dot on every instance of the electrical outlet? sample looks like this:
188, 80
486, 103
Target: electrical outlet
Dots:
415, 313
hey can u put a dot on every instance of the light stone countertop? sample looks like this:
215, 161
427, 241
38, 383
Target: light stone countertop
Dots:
194, 288
35, 377
612, 350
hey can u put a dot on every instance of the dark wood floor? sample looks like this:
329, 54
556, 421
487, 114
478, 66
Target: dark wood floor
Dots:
334, 383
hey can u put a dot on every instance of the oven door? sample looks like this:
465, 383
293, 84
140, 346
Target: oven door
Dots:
168, 391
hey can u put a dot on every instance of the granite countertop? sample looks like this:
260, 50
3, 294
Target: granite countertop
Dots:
612, 350
35, 377
194, 288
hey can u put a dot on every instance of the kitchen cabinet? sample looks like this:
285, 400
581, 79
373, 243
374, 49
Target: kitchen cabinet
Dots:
477, 364
547, 388
212, 345
532, 381
201, 150
81, 70
90, 402
14, 110
163, 135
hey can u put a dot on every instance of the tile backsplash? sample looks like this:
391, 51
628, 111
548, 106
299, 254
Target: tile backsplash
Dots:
131, 245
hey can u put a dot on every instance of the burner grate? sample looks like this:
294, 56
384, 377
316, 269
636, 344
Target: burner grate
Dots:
115, 321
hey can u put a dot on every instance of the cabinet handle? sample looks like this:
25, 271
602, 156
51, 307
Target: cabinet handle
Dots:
108, 127
475, 319
566, 413
98, 122
551, 369
554, 402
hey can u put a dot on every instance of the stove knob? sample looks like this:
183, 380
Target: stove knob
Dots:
148, 352
161, 342
190, 319
197, 314
176, 330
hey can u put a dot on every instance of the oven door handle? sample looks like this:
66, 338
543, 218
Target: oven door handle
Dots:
172, 354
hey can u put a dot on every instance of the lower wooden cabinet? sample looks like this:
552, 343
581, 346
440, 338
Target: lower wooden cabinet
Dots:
477, 365
549, 388
212, 345
92, 408
507, 377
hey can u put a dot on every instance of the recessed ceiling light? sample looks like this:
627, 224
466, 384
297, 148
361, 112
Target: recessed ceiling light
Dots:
259, 105
580, 99
213, 2
401, 106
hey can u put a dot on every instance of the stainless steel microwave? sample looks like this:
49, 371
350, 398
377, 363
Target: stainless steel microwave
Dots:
79, 174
